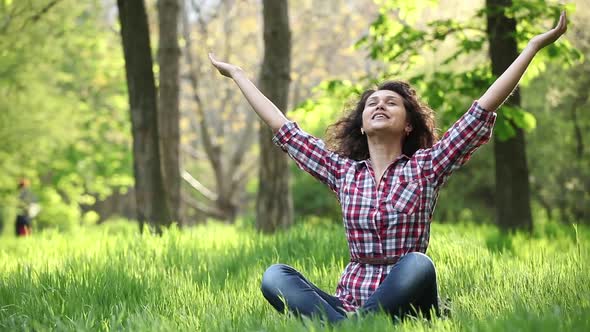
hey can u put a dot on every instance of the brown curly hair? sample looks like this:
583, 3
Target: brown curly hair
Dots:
345, 138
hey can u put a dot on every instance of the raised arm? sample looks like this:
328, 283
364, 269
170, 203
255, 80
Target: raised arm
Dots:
310, 153
265, 109
505, 84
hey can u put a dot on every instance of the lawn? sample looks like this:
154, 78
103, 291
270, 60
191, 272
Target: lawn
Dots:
207, 278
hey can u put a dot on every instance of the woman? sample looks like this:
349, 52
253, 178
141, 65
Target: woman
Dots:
387, 172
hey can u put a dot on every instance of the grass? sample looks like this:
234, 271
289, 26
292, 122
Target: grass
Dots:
207, 278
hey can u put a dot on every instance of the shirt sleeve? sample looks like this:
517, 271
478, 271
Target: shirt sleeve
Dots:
457, 145
311, 155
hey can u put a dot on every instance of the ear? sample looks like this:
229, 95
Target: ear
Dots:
408, 128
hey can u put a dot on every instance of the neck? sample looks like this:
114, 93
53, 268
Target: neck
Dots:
383, 151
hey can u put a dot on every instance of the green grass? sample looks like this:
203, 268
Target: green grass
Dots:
208, 278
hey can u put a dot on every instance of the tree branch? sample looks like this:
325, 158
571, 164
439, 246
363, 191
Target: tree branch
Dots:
36, 17
211, 211
211, 149
193, 153
198, 186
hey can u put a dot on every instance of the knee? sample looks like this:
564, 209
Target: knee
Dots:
272, 278
421, 264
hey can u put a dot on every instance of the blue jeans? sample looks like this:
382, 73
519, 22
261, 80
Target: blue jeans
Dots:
410, 287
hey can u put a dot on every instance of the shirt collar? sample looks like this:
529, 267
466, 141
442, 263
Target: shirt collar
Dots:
367, 161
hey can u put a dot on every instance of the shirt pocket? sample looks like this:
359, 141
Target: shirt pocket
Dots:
404, 197
357, 207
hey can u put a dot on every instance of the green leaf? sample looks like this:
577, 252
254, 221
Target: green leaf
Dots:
519, 117
504, 129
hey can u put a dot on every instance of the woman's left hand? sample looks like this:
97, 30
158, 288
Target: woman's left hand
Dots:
552, 35
225, 69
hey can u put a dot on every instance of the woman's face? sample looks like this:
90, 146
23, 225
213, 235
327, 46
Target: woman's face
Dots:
385, 113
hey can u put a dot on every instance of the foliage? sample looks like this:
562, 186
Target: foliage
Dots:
561, 173
56, 213
398, 42
310, 197
63, 120
444, 59
322, 33
109, 277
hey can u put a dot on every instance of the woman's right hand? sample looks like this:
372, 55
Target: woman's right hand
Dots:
552, 35
226, 69
267, 111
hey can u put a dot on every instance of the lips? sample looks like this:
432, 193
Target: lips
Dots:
379, 115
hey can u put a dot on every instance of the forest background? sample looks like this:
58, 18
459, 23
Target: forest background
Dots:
113, 112
65, 120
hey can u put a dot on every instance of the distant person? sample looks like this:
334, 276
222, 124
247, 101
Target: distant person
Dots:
27, 208
387, 168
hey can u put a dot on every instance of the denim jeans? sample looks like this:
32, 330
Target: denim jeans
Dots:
410, 287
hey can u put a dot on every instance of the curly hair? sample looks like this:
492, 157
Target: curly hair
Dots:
345, 138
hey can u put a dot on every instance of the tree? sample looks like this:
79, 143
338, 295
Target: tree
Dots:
274, 207
63, 123
218, 124
149, 182
217, 114
168, 114
561, 183
412, 46
513, 206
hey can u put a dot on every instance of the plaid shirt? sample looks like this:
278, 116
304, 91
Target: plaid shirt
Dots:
392, 219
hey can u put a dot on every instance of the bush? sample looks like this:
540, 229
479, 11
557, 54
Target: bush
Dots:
120, 226
312, 198
56, 213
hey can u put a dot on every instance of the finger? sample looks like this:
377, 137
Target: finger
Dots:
561, 24
558, 25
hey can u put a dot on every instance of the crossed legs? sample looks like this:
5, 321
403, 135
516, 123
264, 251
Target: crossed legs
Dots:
409, 287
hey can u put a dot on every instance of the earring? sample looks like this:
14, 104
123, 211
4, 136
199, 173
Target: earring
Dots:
362, 131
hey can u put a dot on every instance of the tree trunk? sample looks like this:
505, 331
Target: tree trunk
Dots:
513, 210
582, 95
168, 113
144, 118
274, 205
118, 204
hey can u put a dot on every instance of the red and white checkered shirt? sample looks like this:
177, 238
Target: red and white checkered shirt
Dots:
392, 219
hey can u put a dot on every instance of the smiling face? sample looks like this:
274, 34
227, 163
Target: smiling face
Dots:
403, 113
385, 113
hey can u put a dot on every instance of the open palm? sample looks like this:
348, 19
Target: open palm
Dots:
552, 35
226, 69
